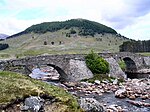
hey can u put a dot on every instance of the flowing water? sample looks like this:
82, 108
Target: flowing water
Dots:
106, 98
110, 99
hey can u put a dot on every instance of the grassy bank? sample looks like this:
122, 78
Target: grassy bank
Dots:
145, 53
15, 86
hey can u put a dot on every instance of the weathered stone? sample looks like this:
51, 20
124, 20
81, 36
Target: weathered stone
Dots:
115, 70
113, 107
139, 103
121, 93
62, 64
145, 96
132, 97
78, 71
115, 81
97, 82
33, 103
91, 105
110, 110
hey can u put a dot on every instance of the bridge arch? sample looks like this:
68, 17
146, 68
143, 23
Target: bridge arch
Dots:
130, 67
60, 71
130, 64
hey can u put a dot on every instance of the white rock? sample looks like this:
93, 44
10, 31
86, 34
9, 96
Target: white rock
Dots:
97, 81
120, 93
115, 81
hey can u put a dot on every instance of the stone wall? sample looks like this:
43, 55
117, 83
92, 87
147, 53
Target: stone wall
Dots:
115, 70
147, 61
78, 71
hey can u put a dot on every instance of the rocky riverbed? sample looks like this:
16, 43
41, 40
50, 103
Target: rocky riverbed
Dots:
133, 95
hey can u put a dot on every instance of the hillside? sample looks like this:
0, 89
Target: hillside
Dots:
68, 37
85, 27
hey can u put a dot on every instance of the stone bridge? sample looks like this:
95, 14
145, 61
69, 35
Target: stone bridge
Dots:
72, 67
133, 61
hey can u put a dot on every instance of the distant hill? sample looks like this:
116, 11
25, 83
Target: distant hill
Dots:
3, 36
85, 27
75, 36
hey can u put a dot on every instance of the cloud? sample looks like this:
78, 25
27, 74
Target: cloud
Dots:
140, 30
17, 15
122, 14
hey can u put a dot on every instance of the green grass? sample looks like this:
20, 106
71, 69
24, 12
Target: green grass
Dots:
122, 65
26, 45
99, 77
4, 55
15, 86
145, 53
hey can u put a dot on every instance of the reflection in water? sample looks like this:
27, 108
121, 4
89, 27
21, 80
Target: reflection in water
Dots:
44, 73
37, 74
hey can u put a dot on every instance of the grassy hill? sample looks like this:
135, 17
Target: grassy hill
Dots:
85, 27
72, 37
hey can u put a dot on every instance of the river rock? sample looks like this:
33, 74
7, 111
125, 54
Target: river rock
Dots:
113, 107
132, 97
115, 81
97, 82
33, 103
91, 105
138, 103
145, 96
121, 93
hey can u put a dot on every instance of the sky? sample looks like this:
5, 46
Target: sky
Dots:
130, 18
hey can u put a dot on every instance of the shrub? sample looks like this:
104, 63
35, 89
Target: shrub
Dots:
72, 31
122, 65
96, 63
45, 42
3, 46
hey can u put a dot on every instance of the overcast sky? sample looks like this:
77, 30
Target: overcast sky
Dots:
130, 18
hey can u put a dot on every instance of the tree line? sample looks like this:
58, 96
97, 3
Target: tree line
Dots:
135, 46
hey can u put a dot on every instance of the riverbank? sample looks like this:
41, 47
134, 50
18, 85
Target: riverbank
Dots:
133, 95
16, 89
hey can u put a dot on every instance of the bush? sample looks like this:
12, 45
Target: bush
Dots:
96, 63
3, 46
122, 65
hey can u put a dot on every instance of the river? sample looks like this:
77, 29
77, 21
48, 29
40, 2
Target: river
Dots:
106, 98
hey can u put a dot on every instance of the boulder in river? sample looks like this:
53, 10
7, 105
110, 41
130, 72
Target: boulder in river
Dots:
91, 105
121, 93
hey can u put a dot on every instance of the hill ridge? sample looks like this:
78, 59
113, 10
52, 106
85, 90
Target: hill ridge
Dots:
86, 27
